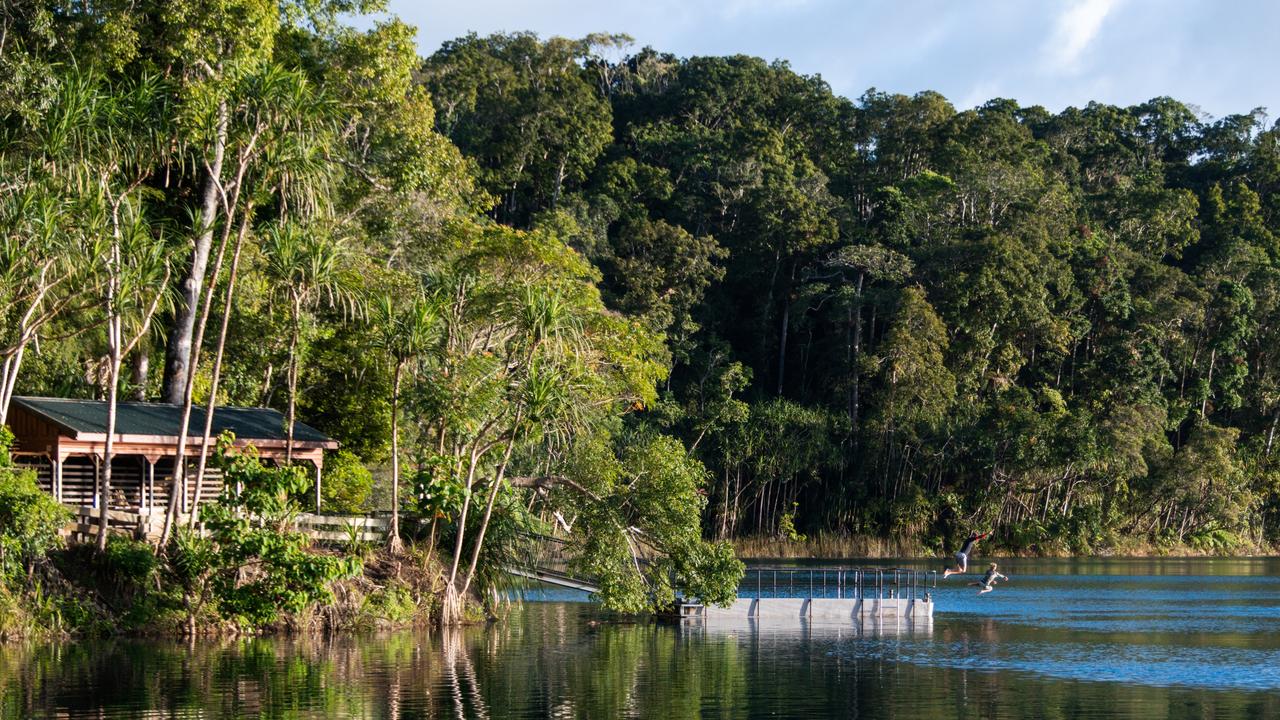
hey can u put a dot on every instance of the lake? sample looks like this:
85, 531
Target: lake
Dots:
1165, 638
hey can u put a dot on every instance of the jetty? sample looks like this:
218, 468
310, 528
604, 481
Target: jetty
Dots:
825, 594
778, 595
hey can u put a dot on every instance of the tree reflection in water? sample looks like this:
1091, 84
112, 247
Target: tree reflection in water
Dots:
559, 660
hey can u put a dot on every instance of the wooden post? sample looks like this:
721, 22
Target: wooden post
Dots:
319, 463
97, 480
57, 477
149, 484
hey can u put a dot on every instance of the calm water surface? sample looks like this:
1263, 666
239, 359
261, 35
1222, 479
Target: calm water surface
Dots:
1062, 639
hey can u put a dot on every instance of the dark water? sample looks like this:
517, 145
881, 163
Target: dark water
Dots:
1062, 639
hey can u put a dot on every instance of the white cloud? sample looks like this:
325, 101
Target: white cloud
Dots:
1048, 52
1074, 29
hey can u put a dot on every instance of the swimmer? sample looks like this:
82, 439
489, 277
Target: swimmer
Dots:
962, 557
988, 582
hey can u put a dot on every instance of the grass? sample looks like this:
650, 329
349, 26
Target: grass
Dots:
829, 546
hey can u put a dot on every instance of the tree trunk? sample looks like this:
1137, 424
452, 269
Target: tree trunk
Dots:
178, 355
141, 372
782, 345
855, 355
1204, 401
293, 376
28, 327
493, 496
178, 487
453, 600
115, 331
462, 516
217, 363
452, 603
115, 339
395, 544
9, 381
1271, 433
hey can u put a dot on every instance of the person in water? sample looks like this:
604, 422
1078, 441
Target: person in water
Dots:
962, 557
988, 582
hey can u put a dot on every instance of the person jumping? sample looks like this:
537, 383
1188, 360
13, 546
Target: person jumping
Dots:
988, 582
962, 557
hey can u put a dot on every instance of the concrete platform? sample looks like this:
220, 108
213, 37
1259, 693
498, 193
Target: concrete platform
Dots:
824, 610
798, 627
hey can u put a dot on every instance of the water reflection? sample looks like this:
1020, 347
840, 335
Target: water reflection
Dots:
1035, 649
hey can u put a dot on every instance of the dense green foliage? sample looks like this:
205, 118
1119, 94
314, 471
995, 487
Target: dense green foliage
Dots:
893, 318
268, 185
347, 484
29, 523
254, 567
638, 303
651, 483
29, 519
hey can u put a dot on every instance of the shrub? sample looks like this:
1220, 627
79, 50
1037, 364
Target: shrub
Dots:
346, 485
787, 525
393, 605
254, 566
29, 521
437, 492
6, 442
129, 562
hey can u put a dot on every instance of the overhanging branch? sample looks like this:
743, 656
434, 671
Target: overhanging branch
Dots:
547, 482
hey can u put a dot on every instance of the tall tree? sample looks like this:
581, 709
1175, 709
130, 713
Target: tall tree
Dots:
404, 332
308, 268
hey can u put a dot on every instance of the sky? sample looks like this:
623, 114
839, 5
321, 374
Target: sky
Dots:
1218, 55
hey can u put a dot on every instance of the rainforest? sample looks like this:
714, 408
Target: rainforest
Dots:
541, 285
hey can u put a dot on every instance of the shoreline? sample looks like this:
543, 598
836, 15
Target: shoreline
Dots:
83, 595
828, 547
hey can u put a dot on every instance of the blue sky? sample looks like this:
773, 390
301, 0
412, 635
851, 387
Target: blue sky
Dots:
1222, 56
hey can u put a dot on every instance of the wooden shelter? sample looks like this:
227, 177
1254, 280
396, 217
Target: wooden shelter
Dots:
64, 441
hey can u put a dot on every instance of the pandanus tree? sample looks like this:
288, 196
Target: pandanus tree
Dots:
530, 365
37, 275
51, 160
307, 267
133, 257
137, 270
280, 128
404, 332
287, 127
547, 343
80, 213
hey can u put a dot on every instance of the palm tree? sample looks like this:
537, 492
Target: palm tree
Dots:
546, 352
48, 163
137, 277
307, 268
36, 275
288, 126
87, 156
404, 334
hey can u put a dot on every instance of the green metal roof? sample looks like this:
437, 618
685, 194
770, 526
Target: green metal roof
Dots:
164, 419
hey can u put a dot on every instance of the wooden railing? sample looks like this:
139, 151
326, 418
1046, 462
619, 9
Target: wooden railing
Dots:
141, 523
341, 528
149, 523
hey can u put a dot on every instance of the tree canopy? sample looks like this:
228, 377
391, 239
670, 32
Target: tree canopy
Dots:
645, 302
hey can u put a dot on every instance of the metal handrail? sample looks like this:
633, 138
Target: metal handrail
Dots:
858, 583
